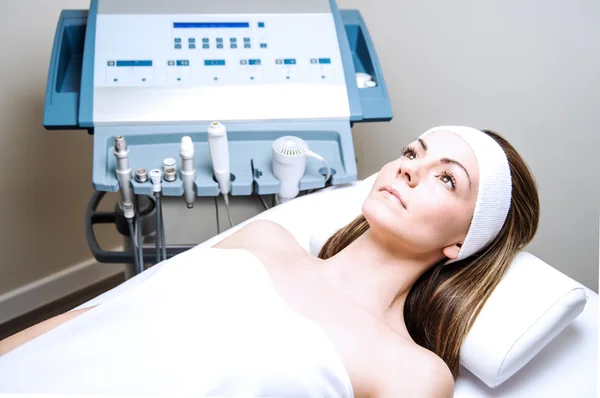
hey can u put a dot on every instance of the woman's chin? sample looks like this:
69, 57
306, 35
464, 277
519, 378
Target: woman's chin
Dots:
383, 216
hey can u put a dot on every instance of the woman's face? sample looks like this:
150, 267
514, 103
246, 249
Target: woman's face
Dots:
422, 203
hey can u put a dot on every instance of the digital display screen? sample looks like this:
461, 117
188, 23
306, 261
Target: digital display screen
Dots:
204, 25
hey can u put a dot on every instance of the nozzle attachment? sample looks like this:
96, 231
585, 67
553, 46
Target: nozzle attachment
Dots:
170, 169
141, 175
155, 177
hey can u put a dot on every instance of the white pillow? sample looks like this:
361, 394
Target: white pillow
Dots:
531, 305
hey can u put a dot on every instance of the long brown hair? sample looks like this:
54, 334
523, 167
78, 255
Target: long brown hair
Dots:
443, 303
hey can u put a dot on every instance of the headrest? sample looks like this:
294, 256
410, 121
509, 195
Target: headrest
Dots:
531, 305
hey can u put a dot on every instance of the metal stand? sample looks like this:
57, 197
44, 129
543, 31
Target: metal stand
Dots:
148, 222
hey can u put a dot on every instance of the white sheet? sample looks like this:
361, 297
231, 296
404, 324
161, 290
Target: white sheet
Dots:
566, 367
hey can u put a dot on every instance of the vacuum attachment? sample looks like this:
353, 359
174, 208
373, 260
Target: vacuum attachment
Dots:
289, 165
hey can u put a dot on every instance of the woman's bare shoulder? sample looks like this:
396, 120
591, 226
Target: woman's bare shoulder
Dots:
406, 369
261, 235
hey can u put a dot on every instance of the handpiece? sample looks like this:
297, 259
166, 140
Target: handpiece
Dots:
188, 172
124, 176
123, 171
219, 154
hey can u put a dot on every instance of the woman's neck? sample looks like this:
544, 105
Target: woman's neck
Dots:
375, 277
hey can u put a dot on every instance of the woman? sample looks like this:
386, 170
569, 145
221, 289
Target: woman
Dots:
381, 312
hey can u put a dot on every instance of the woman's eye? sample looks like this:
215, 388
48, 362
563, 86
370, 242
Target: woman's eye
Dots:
409, 152
448, 178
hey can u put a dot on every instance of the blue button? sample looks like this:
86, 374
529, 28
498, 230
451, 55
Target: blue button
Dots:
219, 40
247, 45
205, 40
178, 40
183, 62
214, 62
134, 63
263, 45
289, 61
205, 46
177, 46
261, 24
324, 60
192, 46
254, 62
219, 45
233, 45
192, 40
232, 39
246, 40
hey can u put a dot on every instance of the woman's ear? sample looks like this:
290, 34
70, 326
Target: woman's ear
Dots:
452, 251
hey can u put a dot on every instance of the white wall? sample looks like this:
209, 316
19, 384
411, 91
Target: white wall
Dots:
45, 176
529, 70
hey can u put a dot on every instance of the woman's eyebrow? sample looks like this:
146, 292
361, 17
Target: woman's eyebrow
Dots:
446, 160
423, 144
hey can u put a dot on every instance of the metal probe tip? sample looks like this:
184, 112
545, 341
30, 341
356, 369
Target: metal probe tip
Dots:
120, 144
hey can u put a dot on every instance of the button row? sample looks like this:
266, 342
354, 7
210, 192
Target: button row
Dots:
206, 40
221, 62
206, 46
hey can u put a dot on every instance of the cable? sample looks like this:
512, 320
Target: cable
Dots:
163, 241
263, 202
140, 242
132, 236
156, 177
217, 213
226, 199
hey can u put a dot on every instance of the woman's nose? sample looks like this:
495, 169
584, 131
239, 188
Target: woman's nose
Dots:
408, 172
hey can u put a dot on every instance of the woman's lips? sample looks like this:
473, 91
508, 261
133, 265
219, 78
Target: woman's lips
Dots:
393, 195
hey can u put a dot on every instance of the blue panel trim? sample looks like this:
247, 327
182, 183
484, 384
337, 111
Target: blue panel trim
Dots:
375, 102
202, 25
349, 71
64, 72
86, 100
134, 63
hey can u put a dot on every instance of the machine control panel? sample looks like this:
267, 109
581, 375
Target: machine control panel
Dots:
249, 53
235, 67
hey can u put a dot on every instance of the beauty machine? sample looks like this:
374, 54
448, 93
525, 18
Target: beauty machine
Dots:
200, 98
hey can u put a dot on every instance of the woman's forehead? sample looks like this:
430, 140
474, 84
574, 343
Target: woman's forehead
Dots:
446, 144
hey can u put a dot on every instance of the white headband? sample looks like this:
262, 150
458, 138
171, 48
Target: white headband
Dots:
494, 192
